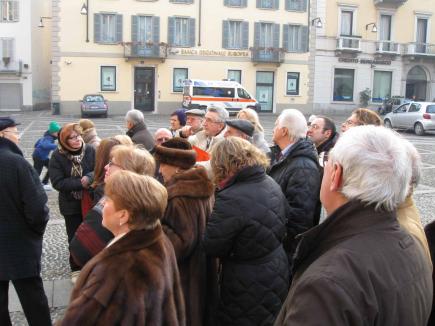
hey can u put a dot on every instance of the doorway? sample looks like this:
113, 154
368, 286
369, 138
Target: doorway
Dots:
144, 89
264, 90
416, 84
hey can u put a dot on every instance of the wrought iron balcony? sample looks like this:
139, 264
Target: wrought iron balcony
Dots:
349, 43
387, 47
267, 55
145, 50
10, 67
389, 3
420, 49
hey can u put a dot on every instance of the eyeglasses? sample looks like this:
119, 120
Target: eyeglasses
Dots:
111, 163
208, 120
74, 137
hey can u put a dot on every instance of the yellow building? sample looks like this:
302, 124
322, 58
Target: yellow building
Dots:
385, 46
137, 52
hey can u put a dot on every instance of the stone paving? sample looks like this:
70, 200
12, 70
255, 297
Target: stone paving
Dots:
55, 267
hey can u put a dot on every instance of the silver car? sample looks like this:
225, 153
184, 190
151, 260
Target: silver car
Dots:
417, 116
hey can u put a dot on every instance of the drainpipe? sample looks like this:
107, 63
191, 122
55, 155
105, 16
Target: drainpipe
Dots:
199, 22
309, 22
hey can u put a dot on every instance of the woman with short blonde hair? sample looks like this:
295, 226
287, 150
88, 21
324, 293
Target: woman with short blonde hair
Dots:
245, 232
135, 279
258, 137
124, 139
134, 159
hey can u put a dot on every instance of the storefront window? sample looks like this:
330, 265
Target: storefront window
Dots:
381, 85
108, 78
343, 85
235, 75
292, 83
180, 74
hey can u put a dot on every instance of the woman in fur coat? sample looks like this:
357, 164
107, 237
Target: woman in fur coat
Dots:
134, 280
190, 200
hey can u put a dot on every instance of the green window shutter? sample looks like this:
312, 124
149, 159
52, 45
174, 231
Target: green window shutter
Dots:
285, 28
244, 3
119, 28
245, 35
276, 4
156, 29
97, 28
134, 20
171, 30
303, 45
257, 34
276, 35
303, 5
191, 30
225, 31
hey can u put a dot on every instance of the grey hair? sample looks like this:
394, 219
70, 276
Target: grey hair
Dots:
377, 167
134, 116
295, 123
220, 110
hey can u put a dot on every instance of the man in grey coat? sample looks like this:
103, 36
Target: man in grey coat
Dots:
23, 218
359, 267
137, 130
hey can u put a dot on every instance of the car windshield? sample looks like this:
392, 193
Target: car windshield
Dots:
430, 109
94, 98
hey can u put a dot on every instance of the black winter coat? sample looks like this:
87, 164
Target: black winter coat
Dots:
140, 135
23, 215
245, 232
60, 175
298, 174
359, 268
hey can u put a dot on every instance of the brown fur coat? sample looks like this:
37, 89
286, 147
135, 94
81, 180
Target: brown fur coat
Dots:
190, 201
135, 281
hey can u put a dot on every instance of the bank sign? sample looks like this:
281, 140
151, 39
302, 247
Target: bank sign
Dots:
365, 61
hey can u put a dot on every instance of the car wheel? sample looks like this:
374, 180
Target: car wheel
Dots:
418, 129
387, 124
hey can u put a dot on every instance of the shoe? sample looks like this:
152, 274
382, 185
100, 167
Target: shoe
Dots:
74, 276
48, 187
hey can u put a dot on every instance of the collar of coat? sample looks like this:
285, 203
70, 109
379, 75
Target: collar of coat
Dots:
190, 183
136, 128
249, 173
303, 147
10, 145
348, 220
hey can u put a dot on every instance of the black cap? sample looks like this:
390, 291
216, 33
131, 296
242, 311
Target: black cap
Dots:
243, 125
6, 122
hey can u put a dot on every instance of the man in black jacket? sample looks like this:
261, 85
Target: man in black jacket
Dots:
323, 134
137, 130
23, 218
295, 168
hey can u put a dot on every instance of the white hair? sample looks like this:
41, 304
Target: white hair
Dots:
134, 116
377, 167
219, 108
164, 131
295, 123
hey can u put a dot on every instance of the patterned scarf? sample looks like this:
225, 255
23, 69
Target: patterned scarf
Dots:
76, 169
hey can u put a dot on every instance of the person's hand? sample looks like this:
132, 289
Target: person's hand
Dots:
85, 182
186, 131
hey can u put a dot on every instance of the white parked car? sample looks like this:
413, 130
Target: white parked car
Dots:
417, 116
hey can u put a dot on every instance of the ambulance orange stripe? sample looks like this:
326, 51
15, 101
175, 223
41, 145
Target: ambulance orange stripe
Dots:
221, 99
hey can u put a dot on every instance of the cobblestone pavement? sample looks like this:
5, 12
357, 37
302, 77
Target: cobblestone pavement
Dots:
55, 267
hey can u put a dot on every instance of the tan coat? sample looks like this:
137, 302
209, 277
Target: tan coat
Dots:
135, 281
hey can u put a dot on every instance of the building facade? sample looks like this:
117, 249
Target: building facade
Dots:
24, 55
137, 53
383, 47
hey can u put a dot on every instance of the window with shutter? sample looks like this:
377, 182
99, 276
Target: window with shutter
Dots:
234, 35
295, 38
9, 11
296, 5
107, 28
235, 3
267, 4
181, 31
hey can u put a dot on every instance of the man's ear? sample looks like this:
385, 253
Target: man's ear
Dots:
337, 177
328, 133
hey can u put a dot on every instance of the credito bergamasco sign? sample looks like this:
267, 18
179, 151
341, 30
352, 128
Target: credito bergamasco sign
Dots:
365, 61
216, 53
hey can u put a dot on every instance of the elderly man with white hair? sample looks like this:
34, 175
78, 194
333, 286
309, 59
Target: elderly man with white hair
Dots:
296, 169
359, 267
137, 130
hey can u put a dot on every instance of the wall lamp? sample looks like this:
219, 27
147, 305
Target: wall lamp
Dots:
374, 28
317, 22
41, 23
85, 12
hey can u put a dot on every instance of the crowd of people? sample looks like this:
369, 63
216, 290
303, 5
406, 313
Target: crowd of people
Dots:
204, 223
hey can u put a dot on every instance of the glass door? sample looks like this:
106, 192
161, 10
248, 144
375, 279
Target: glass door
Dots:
144, 89
264, 90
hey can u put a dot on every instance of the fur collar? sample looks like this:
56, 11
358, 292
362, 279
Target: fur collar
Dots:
191, 183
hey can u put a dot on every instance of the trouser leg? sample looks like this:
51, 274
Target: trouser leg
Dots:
33, 300
46, 177
4, 303
38, 164
72, 222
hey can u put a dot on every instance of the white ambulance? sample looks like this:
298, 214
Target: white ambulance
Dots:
202, 93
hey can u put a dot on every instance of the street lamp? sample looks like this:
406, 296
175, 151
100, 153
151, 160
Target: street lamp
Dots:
85, 12
317, 21
41, 23
374, 28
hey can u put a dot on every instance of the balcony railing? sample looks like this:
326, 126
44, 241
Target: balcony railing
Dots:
146, 50
420, 49
8, 66
387, 47
390, 3
349, 43
267, 55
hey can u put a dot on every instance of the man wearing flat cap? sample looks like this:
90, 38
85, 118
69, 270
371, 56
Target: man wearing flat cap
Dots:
240, 128
194, 120
23, 218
